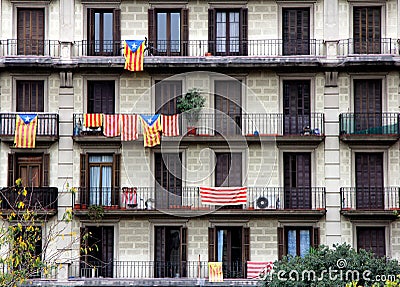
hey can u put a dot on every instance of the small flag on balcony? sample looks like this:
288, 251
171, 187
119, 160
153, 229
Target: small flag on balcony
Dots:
223, 195
25, 130
93, 120
170, 125
255, 269
215, 273
129, 127
111, 126
133, 52
151, 129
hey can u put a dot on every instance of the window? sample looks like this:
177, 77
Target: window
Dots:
228, 107
231, 246
297, 180
33, 169
167, 93
296, 106
296, 240
168, 175
367, 30
30, 31
104, 32
101, 97
227, 31
228, 169
372, 239
170, 251
100, 179
296, 31
97, 251
367, 105
369, 180
168, 31
30, 96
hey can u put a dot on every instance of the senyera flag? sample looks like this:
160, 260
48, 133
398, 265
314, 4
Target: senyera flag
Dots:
25, 130
133, 52
223, 195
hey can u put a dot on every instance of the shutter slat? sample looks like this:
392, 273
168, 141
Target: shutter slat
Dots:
211, 31
246, 244
84, 171
11, 169
281, 243
46, 169
91, 31
243, 31
116, 178
117, 31
185, 32
316, 237
184, 250
151, 22
211, 244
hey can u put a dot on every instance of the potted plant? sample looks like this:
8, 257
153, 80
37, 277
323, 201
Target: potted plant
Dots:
191, 104
96, 212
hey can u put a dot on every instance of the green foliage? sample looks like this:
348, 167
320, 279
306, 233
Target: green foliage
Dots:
333, 267
96, 212
191, 104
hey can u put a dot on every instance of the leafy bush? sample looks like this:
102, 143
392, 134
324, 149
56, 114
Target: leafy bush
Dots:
324, 267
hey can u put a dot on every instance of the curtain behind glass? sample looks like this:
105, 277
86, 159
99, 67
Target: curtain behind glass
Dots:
106, 185
97, 188
94, 185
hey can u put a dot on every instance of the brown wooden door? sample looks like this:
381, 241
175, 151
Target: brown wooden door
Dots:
228, 169
297, 180
30, 96
367, 30
367, 105
101, 97
372, 239
167, 93
168, 174
296, 106
296, 31
30, 31
30, 170
228, 110
369, 181
170, 251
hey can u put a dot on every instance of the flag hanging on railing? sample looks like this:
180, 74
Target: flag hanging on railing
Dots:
129, 128
25, 130
256, 269
93, 120
133, 52
111, 126
170, 125
215, 273
223, 195
151, 129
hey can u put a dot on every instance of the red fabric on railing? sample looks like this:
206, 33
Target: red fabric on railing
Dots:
223, 195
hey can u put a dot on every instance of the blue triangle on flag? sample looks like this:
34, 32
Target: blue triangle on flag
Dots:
27, 118
134, 44
150, 120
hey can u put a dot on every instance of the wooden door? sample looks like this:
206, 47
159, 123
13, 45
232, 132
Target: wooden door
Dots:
296, 31
101, 97
372, 239
367, 30
30, 31
228, 101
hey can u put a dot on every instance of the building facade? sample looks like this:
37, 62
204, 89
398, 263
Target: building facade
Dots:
302, 109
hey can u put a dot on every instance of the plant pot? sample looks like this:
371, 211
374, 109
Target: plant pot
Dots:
84, 206
208, 54
191, 131
77, 206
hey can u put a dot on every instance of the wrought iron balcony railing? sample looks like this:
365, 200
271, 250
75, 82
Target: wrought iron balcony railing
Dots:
29, 47
218, 123
152, 269
370, 198
47, 124
97, 48
383, 46
36, 199
369, 124
188, 198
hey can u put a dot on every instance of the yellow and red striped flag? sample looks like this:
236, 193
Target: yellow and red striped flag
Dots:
151, 129
133, 52
93, 120
170, 125
215, 273
111, 127
129, 128
25, 130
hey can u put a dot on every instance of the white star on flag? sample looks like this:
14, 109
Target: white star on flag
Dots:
134, 46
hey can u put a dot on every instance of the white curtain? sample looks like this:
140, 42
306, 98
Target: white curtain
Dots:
94, 185
98, 188
106, 185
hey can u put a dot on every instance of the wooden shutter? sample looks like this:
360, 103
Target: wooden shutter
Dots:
84, 179
46, 169
296, 31
167, 93
117, 31
30, 31
107, 250
160, 248
152, 31
243, 31
315, 237
246, 244
222, 169
367, 30
11, 169
84, 242
116, 179
91, 31
212, 233
30, 96
185, 32
281, 243
372, 239
184, 250
211, 31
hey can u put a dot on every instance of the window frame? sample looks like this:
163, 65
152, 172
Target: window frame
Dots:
24, 77
91, 99
19, 84
373, 223
105, 77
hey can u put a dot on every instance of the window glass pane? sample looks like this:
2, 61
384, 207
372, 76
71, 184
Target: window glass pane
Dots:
161, 32
304, 242
234, 31
220, 240
108, 32
106, 185
175, 31
291, 242
97, 32
100, 158
221, 32
94, 182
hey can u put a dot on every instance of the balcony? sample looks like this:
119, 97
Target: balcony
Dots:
369, 128
104, 48
46, 131
370, 202
187, 200
29, 48
42, 200
217, 126
372, 47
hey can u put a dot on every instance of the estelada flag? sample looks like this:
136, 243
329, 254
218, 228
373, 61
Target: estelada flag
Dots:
133, 52
151, 129
25, 130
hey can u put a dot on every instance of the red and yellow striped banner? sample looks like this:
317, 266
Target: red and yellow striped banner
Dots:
25, 130
93, 120
215, 273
